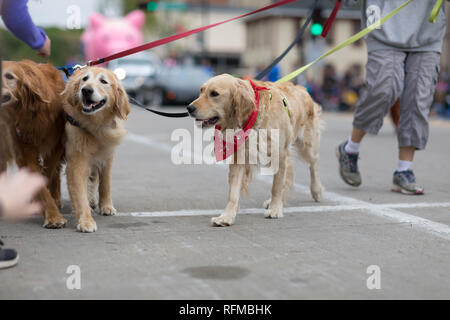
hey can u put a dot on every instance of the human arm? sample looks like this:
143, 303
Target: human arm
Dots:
18, 20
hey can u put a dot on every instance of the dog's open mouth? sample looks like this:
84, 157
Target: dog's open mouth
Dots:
206, 123
90, 106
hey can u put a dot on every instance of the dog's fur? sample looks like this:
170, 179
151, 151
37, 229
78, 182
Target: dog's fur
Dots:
90, 146
230, 101
32, 127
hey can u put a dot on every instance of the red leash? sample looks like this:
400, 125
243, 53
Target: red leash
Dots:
178, 36
224, 149
331, 19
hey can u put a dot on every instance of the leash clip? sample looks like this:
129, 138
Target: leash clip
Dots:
79, 67
68, 71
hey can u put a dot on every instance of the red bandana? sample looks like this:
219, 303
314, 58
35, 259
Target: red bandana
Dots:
224, 149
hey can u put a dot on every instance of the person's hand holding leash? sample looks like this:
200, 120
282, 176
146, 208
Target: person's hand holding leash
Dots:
46, 49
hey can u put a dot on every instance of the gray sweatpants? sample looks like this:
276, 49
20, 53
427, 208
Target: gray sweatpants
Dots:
410, 76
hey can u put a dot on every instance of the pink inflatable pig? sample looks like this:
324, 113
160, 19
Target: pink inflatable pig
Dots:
106, 36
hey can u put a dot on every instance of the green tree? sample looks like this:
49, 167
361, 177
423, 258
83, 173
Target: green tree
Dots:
65, 45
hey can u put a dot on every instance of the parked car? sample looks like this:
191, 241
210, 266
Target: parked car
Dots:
137, 72
179, 84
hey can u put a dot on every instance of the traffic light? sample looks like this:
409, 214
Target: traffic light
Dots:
149, 5
152, 6
166, 6
317, 23
316, 29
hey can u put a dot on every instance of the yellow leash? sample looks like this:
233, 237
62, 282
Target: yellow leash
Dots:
435, 12
285, 103
351, 40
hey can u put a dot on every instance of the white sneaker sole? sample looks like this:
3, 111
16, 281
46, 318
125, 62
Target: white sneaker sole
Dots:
9, 263
396, 188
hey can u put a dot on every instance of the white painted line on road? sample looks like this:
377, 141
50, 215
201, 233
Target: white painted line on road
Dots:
148, 142
164, 147
439, 229
412, 205
334, 208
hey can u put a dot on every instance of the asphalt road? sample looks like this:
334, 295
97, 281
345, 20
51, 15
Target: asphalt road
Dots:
162, 246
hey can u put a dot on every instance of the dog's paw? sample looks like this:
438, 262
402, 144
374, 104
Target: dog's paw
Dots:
275, 212
267, 203
222, 221
316, 193
108, 211
55, 223
87, 225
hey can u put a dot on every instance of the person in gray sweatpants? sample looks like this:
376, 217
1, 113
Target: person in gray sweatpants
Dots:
403, 62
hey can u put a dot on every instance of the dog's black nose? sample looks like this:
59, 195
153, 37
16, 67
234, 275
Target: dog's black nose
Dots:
191, 108
87, 91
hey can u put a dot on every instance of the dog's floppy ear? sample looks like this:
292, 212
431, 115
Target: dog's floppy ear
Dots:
70, 92
121, 105
30, 85
243, 100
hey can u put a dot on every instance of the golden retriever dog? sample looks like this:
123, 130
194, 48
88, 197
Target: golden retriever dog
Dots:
32, 127
97, 107
227, 102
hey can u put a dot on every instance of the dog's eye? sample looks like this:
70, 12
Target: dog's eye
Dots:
214, 93
86, 78
103, 81
9, 76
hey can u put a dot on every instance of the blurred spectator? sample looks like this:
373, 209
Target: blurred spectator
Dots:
274, 74
330, 88
350, 87
206, 64
441, 104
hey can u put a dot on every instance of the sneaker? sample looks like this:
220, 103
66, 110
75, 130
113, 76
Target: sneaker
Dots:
348, 165
8, 257
405, 182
